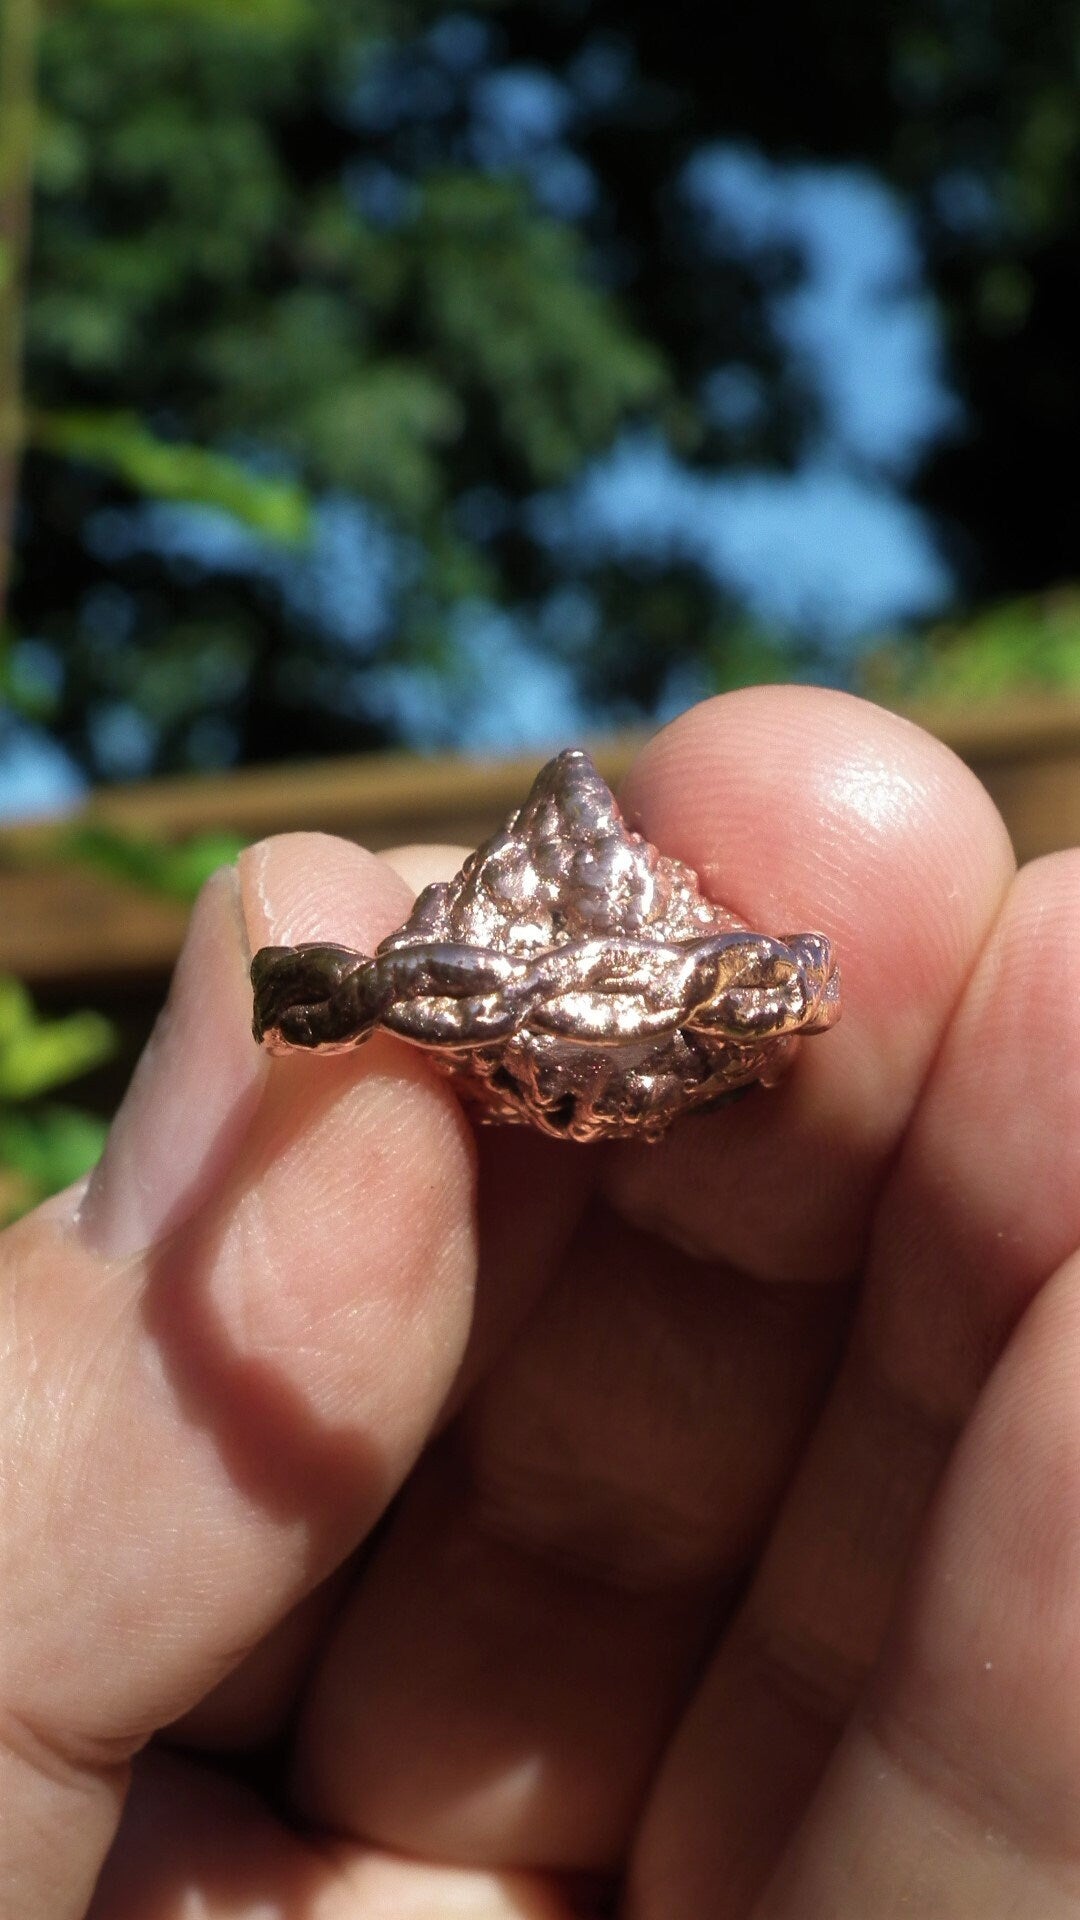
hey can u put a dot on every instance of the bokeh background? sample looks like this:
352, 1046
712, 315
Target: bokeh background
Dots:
378, 377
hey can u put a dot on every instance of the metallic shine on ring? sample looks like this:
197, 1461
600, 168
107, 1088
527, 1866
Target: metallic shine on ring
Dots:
569, 977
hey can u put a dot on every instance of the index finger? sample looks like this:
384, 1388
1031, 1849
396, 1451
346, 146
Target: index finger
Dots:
803, 808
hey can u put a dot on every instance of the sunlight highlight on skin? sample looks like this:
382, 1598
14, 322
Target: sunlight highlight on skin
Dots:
503, 1799
195, 1906
874, 791
386, 1888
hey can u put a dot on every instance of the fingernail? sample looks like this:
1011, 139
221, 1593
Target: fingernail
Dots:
193, 1091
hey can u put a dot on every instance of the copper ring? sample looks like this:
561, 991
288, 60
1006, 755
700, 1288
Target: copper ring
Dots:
569, 977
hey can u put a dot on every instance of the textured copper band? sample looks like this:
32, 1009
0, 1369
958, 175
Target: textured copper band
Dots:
570, 977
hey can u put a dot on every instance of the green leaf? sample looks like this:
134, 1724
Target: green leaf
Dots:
176, 870
37, 1055
43, 1151
16, 1010
44, 1148
173, 470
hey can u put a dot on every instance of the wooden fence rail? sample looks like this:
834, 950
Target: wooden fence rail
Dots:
69, 926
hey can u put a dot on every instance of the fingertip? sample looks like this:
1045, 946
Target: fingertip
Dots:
316, 886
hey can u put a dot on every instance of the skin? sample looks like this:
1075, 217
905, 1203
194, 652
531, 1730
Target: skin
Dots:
733, 1545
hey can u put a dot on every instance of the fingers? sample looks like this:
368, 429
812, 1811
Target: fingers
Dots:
983, 1204
582, 1478
218, 1374
192, 1842
250, 1709
808, 809
195, 1843
957, 1790
502, 1682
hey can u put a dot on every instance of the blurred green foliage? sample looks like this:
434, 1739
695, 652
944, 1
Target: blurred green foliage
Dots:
1015, 646
44, 1144
274, 267
214, 316
176, 869
19, 692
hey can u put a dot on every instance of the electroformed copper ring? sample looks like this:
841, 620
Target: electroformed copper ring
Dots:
570, 977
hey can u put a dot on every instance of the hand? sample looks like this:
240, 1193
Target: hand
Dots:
735, 1562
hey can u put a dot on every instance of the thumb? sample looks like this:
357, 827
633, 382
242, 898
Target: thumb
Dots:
219, 1363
